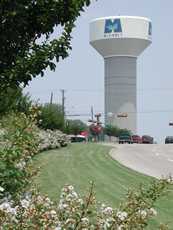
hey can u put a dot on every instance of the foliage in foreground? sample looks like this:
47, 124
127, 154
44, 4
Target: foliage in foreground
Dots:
19, 143
34, 211
20, 140
30, 210
22, 57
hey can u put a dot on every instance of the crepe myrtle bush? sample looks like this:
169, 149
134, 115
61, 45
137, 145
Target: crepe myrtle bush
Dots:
72, 211
20, 144
20, 140
51, 139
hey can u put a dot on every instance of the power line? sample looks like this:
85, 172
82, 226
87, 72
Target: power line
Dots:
102, 90
129, 112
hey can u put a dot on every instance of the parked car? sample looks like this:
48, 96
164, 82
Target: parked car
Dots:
136, 139
77, 138
125, 138
169, 140
147, 139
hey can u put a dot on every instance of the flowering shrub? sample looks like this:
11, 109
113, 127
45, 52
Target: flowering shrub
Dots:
20, 140
29, 210
34, 211
18, 146
3, 142
51, 139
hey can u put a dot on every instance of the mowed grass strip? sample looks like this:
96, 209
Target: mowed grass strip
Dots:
78, 164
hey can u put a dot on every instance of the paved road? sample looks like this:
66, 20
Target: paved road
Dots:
155, 160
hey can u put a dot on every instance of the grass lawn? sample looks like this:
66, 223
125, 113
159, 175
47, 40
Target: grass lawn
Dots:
78, 164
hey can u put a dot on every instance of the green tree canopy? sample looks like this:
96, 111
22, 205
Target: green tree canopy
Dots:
112, 130
13, 99
51, 117
75, 127
23, 22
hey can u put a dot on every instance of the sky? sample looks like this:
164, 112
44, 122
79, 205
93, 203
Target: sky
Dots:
81, 75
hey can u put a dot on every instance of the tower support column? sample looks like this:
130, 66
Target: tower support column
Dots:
120, 91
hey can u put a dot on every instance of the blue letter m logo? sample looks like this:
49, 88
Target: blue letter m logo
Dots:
113, 26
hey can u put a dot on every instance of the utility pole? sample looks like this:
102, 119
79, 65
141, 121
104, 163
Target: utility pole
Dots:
92, 113
63, 105
51, 98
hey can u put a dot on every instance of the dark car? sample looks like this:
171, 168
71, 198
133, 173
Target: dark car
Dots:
125, 139
136, 139
169, 140
147, 139
77, 138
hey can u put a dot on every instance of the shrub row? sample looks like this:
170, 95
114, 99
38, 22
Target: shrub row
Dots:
49, 139
30, 210
35, 211
20, 140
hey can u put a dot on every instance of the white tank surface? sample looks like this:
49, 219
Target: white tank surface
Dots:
120, 40
120, 36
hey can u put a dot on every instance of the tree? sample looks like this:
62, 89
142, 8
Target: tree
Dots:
75, 127
13, 99
111, 130
124, 132
115, 131
22, 57
51, 117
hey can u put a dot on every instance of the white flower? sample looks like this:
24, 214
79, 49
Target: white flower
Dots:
85, 221
120, 227
5, 207
69, 197
107, 211
39, 199
25, 203
122, 215
80, 201
103, 206
153, 212
107, 223
58, 228
13, 211
53, 213
142, 213
74, 194
70, 188
1, 189
170, 180
70, 222
62, 206
47, 202
21, 165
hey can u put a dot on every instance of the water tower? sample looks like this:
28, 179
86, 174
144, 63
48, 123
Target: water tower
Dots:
120, 40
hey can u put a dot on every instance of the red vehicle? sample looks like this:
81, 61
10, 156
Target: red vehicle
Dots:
137, 139
147, 139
